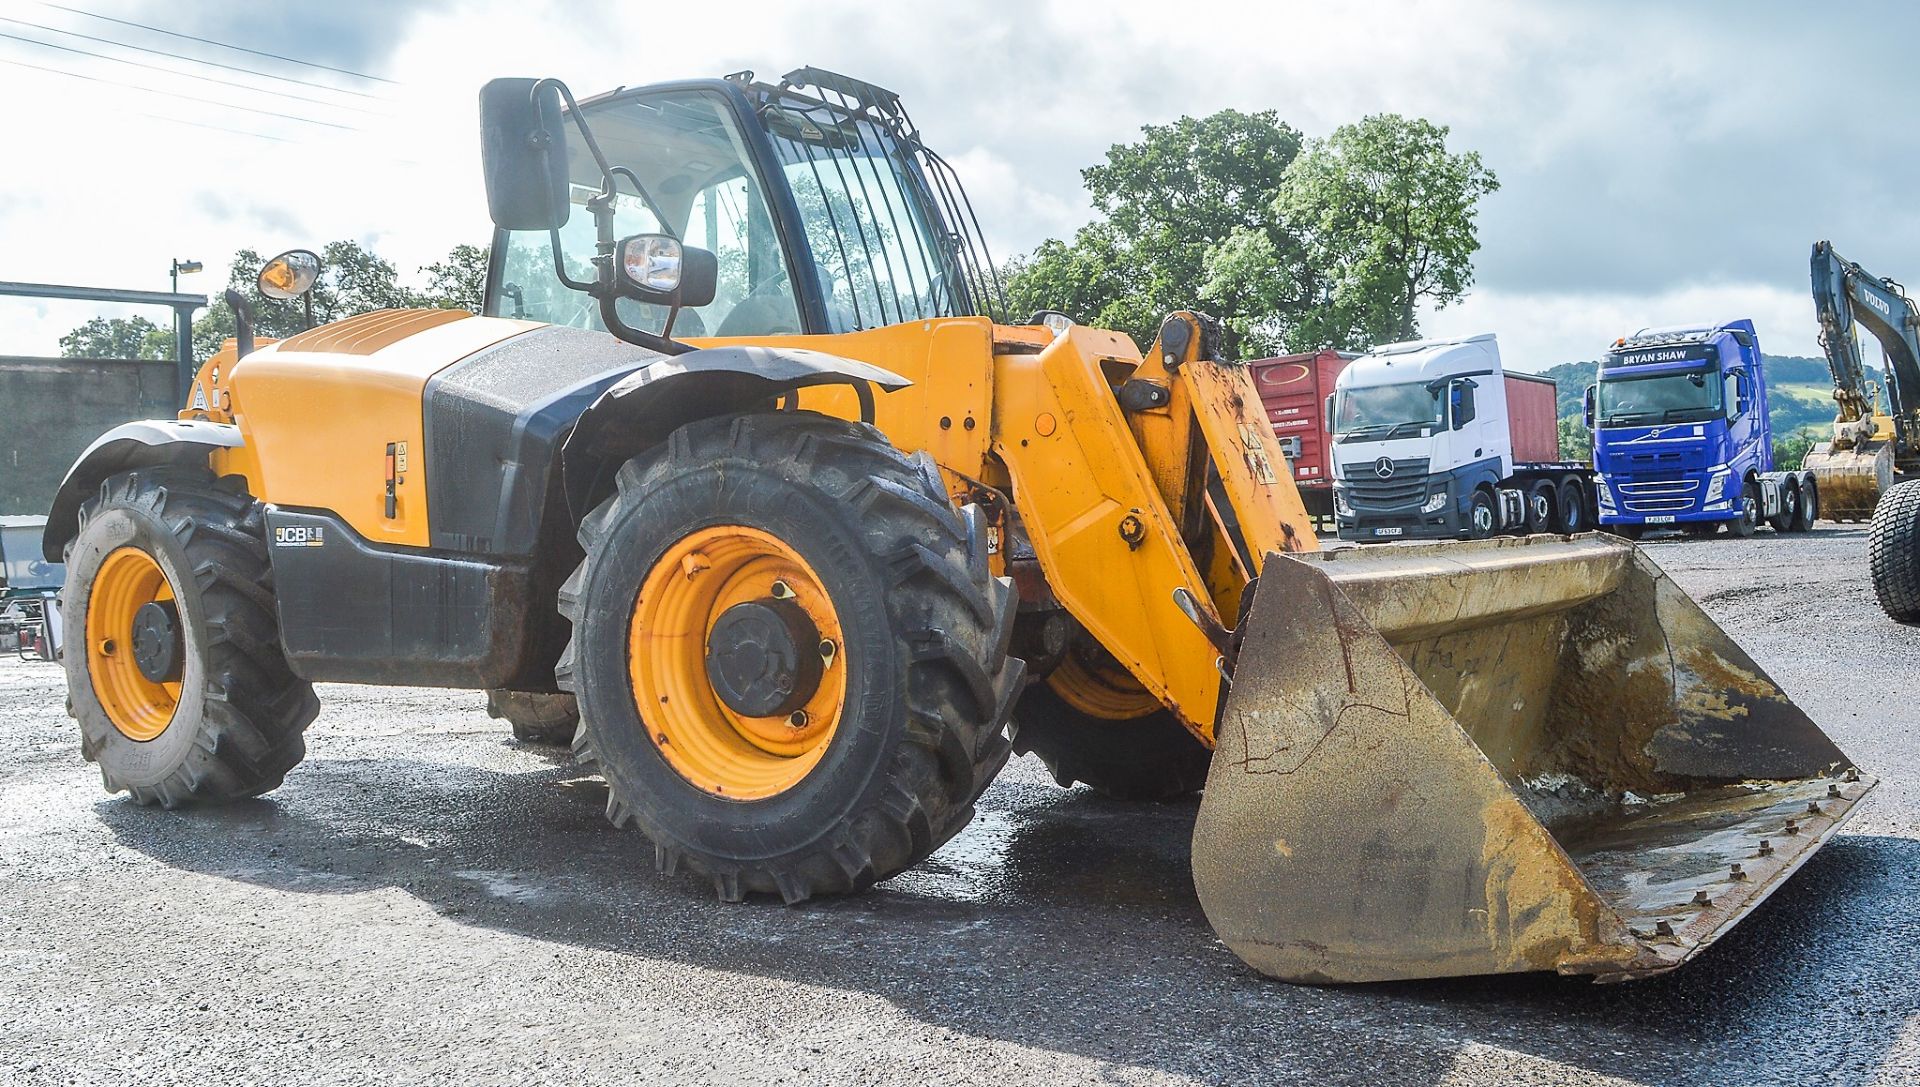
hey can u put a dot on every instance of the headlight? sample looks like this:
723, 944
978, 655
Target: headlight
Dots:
1606, 495
1340, 501
1717, 486
1434, 503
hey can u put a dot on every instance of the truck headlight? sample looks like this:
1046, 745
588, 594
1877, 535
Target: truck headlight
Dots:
1434, 502
1605, 494
1717, 486
1340, 505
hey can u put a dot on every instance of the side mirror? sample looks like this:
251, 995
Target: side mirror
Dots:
1329, 414
289, 275
523, 154
658, 268
1586, 410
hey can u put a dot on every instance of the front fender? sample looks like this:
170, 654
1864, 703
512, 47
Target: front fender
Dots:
641, 409
130, 445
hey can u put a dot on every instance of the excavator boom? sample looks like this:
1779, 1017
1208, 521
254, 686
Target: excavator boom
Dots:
1870, 449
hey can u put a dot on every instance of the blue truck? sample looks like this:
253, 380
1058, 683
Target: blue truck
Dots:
1681, 437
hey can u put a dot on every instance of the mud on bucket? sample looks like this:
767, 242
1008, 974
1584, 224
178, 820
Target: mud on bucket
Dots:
1511, 755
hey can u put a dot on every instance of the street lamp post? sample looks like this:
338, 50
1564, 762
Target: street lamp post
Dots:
182, 320
183, 267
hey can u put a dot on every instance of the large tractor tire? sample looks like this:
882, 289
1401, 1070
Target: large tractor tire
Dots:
172, 652
790, 656
1094, 724
536, 717
1893, 552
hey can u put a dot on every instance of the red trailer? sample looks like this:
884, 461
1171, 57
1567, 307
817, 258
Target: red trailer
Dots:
1533, 417
1294, 389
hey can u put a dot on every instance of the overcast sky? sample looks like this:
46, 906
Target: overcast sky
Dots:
1659, 163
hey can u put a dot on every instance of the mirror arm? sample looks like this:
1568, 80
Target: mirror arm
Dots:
560, 266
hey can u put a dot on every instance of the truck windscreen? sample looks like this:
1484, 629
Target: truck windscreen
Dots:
1378, 412
1686, 397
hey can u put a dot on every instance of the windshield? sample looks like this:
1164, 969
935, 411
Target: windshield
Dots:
879, 254
1687, 397
1378, 412
700, 186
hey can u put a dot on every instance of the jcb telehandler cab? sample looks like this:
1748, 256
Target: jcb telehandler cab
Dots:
740, 459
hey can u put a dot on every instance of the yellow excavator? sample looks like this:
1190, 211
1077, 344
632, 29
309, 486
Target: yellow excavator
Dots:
743, 457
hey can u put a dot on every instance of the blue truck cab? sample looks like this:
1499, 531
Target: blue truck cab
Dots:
1681, 435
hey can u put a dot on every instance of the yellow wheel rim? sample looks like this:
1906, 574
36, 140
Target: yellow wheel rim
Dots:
128, 578
1105, 691
717, 749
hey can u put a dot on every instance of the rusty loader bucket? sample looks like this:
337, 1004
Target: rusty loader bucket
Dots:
1513, 755
1852, 480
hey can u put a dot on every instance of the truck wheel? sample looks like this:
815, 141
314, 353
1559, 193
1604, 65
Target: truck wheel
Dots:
174, 668
1809, 511
1541, 500
1748, 522
1091, 722
536, 717
1893, 552
1482, 516
1573, 506
1789, 509
790, 657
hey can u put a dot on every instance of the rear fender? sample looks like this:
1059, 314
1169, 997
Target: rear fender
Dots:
639, 411
130, 445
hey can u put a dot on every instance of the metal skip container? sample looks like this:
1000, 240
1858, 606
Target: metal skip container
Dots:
1510, 755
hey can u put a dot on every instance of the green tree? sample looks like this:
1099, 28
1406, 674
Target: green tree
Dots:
1576, 441
118, 338
353, 280
1387, 217
1164, 202
1790, 449
460, 281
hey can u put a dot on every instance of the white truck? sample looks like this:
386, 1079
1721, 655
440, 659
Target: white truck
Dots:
1434, 439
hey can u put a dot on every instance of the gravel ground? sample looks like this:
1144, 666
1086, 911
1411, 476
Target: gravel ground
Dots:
426, 902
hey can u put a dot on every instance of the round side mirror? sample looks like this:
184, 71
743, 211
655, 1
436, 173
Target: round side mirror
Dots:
289, 275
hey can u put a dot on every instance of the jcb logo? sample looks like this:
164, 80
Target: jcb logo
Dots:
299, 536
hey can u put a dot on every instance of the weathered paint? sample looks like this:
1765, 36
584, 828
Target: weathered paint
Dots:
1369, 815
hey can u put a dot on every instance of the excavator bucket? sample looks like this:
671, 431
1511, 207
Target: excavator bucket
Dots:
1850, 481
1512, 755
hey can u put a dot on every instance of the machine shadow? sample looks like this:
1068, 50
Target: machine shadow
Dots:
1066, 922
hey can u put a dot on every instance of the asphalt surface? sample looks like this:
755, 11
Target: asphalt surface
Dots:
425, 901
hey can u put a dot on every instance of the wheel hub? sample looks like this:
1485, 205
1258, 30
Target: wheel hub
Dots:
763, 658
156, 641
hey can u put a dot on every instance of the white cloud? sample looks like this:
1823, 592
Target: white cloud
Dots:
1640, 180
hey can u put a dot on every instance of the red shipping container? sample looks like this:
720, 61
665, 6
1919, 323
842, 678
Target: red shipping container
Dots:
1533, 418
1294, 390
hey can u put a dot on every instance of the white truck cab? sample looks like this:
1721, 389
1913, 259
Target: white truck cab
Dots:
1426, 444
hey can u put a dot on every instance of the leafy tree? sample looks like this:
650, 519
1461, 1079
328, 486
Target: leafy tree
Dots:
1576, 441
353, 280
118, 338
1164, 202
460, 281
1387, 215
1790, 449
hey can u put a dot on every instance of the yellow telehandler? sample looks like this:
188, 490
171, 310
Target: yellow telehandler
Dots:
739, 459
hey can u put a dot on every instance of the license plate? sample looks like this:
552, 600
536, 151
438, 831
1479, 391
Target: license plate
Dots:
1660, 519
1387, 531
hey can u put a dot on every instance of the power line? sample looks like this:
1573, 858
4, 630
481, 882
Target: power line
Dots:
174, 94
179, 74
193, 60
221, 45
215, 128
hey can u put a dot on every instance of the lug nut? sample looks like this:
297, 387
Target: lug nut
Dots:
828, 649
798, 719
781, 590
